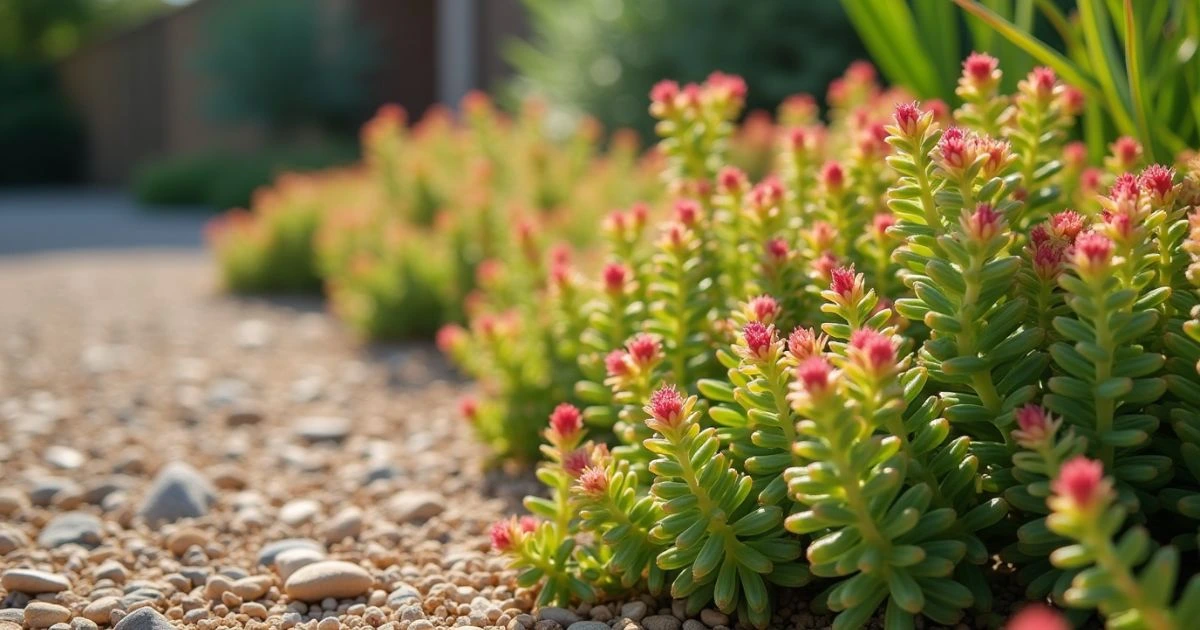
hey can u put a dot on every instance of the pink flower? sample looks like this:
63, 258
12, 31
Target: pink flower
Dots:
731, 179
576, 461
1075, 155
666, 405
1043, 80
1126, 151
814, 375
664, 94
767, 194
1047, 260
616, 276
777, 250
566, 421
1067, 225
1159, 182
824, 265
449, 336
1081, 481
469, 408
955, 149
833, 176
594, 481
1038, 617
1126, 187
1092, 251
907, 115
881, 223
617, 363
861, 71
873, 350
644, 349
981, 68
759, 338
502, 535
527, 524
1035, 426
687, 211
729, 87
804, 343
844, 282
765, 309
1073, 100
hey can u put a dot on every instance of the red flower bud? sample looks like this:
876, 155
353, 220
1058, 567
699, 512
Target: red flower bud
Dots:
1127, 152
980, 67
566, 421
731, 179
804, 343
1035, 426
1075, 155
872, 350
1067, 225
1038, 617
833, 177
469, 408
1092, 251
765, 309
759, 339
527, 524
881, 223
1159, 182
1073, 100
844, 282
594, 481
502, 535
777, 250
576, 461
616, 276
907, 115
984, 224
1047, 260
617, 363
1080, 481
954, 150
644, 349
664, 94
449, 337
814, 375
1042, 80
687, 212
666, 406
824, 265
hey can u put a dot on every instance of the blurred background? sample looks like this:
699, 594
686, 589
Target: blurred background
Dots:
195, 103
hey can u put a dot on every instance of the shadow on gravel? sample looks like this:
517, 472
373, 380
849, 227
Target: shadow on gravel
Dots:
298, 303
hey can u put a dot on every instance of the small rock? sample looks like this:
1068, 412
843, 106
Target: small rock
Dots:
145, 618
39, 614
298, 511
692, 624
292, 560
269, 551
712, 618
661, 622
96, 492
634, 610
179, 491
83, 623
402, 595
33, 582
562, 616
331, 623
12, 615
63, 457
182, 539
11, 539
253, 333
329, 578
588, 625
253, 587
415, 506
346, 524
243, 416
313, 429
101, 610
12, 501
46, 488
111, 570
78, 528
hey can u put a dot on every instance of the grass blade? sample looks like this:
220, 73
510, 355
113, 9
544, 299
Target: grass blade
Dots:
1133, 70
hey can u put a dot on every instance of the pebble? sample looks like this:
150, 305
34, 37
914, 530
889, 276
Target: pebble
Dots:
101, 609
243, 415
12, 539
180, 540
634, 610
588, 625
299, 511
561, 616
253, 587
179, 491
331, 623
415, 506
33, 582
313, 429
83, 623
269, 551
345, 524
63, 457
12, 615
145, 618
661, 622
40, 614
713, 618
111, 570
291, 560
79, 528
329, 578
12, 501
47, 488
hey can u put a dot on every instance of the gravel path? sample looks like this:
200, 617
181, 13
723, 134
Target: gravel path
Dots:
159, 440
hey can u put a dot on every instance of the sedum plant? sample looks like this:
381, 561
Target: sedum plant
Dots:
881, 382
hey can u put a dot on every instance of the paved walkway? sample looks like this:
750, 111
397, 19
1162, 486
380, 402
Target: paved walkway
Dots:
50, 220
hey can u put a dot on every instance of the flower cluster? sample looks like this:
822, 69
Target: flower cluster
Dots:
919, 344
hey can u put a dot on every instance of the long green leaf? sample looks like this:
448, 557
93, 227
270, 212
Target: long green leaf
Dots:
1133, 70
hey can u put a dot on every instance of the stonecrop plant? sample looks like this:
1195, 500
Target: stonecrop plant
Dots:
928, 353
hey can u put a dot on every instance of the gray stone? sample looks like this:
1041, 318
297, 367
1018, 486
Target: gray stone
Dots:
402, 595
44, 489
588, 625
145, 618
97, 491
313, 429
661, 622
33, 582
269, 551
78, 528
299, 511
562, 616
63, 457
415, 506
179, 491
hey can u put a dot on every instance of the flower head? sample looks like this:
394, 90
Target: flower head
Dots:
1041, 82
844, 282
805, 343
616, 363
984, 224
1035, 426
666, 406
1092, 252
833, 177
764, 309
644, 350
881, 223
616, 276
767, 194
955, 150
502, 535
1126, 153
663, 97
777, 250
576, 461
1159, 182
1038, 617
814, 376
450, 337
731, 179
1073, 100
759, 338
1081, 484
566, 423
1066, 226
469, 408
1075, 155
593, 481
907, 117
1048, 259
687, 212
872, 350
980, 68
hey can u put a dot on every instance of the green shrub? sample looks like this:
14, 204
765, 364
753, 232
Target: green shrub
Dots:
43, 137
